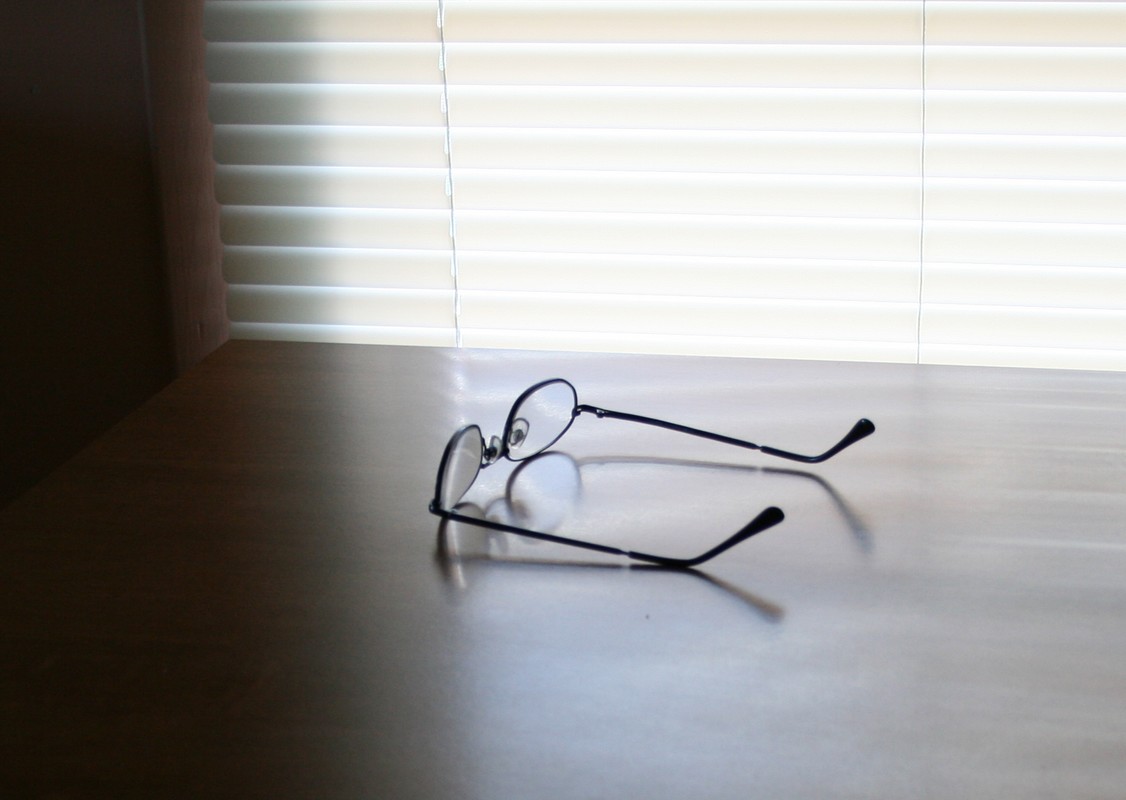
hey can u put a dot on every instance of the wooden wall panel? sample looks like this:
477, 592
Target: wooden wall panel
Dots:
182, 154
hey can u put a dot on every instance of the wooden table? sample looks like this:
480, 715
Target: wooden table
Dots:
239, 592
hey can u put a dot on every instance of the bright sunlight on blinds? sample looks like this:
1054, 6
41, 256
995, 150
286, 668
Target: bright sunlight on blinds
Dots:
888, 180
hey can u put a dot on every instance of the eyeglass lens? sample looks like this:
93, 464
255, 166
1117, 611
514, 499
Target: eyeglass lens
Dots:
539, 418
461, 465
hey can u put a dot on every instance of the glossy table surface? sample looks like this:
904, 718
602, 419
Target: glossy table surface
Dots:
238, 591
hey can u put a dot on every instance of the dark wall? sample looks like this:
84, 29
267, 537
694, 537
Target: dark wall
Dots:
182, 151
86, 320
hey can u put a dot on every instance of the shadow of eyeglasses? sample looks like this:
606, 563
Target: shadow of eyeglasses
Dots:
859, 530
491, 547
861, 534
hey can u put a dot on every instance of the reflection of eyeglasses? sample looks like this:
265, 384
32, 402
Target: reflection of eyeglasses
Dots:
538, 419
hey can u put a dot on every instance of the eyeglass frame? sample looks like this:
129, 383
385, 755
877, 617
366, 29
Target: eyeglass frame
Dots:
500, 447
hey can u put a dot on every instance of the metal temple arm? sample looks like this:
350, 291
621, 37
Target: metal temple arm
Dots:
767, 519
861, 429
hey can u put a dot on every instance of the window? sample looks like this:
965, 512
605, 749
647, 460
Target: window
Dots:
890, 180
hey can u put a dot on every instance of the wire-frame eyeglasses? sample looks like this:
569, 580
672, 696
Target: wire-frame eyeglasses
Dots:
538, 419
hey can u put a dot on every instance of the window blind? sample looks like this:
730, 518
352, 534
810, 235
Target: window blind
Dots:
889, 180
332, 170
1024, 249
706, 177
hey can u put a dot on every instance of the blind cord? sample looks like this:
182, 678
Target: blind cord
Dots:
449, 170
922, 191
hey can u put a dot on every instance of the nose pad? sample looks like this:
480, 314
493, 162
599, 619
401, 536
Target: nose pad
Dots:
493, 450
517, 433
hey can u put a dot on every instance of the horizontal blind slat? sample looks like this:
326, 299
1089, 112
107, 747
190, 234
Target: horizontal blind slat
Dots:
1039, 69
337, 266
1000, 200
1040, 357
324, 62
782, 21
1025, 112
733, 276
319, 20
689, 150
691, 345
400, 229
687, 193
1066, 286
338, 104
689, 235
1034, 244
330, 305
330, 145
442, 336
1068, 23
966, 155
1018, 326
354, 187
713, 65
683, 108
689, 315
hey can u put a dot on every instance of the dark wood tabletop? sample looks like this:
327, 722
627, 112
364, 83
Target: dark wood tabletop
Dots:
239, 591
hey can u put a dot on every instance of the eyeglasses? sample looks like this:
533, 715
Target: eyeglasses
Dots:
538, 419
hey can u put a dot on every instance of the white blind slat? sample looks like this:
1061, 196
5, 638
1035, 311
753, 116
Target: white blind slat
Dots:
397, 229
719, 316
1030, 286
670, 234
681, 108
667, 65
825, 279
1032, 243
337, 266
324, 62
1005, 200
331, 145
694, 21
306, 305
319, 20
355, 187
1064, 23
692, 345
441, 336
1027, 68
690, 150
687, 193
1097, 158
1014, 326
989, 355
1025, 112
336, 104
